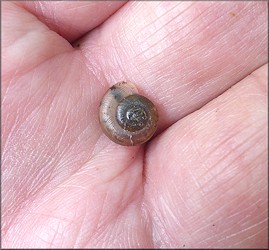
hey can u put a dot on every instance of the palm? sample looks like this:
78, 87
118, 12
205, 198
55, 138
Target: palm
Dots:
201, 182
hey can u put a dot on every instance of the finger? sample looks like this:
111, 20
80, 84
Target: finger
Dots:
181, 54
216, 163
26, 42
72, 19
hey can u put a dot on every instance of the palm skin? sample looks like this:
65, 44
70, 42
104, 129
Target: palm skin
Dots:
200, 182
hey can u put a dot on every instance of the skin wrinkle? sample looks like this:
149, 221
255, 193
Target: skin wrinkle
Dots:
107, 237
147, 219
40, 5
92, 70
257, 96
99, 237
227, 154
215, 237
256, 206
99, 225
36, 185
216, 77
242, 231
161, 39
222, 142
128, 165
195, 27
181, 212
102, 220
181, 28
223, 38
263, 85
134, 233
161, 220
212, 238
75, 104
43, 240
227, 230
202, 118
31, 90
81, 232
228, 181
187, 208
84, 233
144, 231
118, 237
227, 244
26, 32
117, 60
10, 136
251, 207
247, 23
147, 26
40, 103
240, 67
219, 210
228, 217
181, 199
115, 202
57, 231
56, 17
249, 237
129, 237
233, 160
168, 212
167, 48
158, 232
80, 6
200, 159
246, 37
197, 184
29, 68
120, 234
52, 195
13, 77
51, 244
80, 226
27, 175
47, 14
33, 125
74, 108
63, 219
176, 105
132, 65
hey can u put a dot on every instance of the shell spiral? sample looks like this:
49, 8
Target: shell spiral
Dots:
126, 117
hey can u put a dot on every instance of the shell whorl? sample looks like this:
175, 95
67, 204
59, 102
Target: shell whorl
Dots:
126, 117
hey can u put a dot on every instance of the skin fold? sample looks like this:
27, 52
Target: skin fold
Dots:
201, 182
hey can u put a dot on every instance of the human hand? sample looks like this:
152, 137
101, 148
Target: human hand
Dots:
200, 182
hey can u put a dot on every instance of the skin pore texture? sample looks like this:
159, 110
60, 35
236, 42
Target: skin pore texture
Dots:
201, 182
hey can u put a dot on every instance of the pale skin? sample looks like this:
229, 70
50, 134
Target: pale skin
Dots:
200, 182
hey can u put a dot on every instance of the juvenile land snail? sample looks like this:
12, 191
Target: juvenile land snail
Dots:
126, 117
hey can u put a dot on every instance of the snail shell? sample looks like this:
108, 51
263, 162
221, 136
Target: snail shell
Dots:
126, 117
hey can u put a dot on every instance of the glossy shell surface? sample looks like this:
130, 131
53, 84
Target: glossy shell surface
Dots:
126, 117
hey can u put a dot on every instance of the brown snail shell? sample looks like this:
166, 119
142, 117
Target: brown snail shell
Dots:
126, 117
